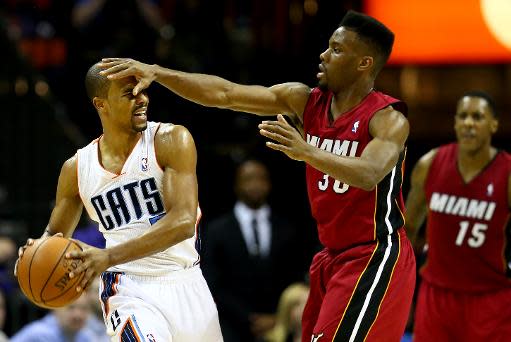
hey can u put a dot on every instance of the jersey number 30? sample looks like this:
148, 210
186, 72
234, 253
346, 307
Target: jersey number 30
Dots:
323, 185
477, 234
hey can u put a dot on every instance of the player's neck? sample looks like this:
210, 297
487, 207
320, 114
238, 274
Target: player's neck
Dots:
346, 99
119, 143
471, 163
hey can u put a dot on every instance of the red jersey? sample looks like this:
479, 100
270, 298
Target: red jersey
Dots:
468, 247
345, 215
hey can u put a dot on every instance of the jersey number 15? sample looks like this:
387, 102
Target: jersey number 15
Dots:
477, 234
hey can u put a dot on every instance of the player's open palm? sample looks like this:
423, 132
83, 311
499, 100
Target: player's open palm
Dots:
117, 68
285, 138
94, 262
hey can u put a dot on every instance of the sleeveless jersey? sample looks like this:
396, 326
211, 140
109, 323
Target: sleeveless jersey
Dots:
346, 215
467, 237
128, 204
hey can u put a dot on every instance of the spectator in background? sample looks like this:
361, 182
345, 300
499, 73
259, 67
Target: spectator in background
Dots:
288, 325
250, 256
66, 324
113, 26
8, 254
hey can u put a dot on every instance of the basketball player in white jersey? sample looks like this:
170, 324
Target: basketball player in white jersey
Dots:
138, 181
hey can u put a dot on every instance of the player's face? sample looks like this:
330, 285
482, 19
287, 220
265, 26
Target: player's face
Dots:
474, 124
253, 184
339, 66
126, 110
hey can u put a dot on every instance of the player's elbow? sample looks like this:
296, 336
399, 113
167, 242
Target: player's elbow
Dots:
372, 175
369, 180
367, 186
187, 228
226, 98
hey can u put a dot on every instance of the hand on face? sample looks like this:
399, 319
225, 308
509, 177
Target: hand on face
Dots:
94, 262
285, 138
117, 68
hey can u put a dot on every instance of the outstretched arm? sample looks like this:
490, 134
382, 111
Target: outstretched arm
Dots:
176, 153
389, 129
212, 91
416, 205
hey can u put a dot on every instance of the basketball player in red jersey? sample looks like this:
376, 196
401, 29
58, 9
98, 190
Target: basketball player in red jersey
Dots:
354, 145
464, 190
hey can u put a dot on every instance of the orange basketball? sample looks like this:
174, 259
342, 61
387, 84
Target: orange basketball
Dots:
43, 272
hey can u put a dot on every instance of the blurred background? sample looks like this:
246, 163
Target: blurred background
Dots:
442, 49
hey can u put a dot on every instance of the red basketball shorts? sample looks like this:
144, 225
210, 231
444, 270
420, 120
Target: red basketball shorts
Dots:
445, 315
361, 294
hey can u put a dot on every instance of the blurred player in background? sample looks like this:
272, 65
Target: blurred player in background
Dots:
354, 145
464, 190
138, 181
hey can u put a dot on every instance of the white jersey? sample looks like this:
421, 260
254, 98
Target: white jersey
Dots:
128, 204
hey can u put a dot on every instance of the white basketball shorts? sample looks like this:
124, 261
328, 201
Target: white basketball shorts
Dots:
175, 308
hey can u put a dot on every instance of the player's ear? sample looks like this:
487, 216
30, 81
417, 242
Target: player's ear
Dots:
366, 63
98, 103
494, 125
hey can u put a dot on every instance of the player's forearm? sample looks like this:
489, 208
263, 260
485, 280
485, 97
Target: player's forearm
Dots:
164, 234
206, 90
353, 171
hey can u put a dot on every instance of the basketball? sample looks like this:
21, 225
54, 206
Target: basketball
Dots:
43, 272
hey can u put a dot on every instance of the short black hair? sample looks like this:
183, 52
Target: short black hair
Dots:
96, 84
373, 33
483, 95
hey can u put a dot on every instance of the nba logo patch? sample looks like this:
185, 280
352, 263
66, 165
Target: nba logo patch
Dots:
489, 189
144, 164
355, 126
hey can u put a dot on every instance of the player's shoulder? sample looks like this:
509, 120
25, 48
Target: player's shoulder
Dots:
71, 164
295, 95
294, 88
389, 122
445, 153
503, 160
172, 135
390, 111
428, 157
506, 156
170, 129
173, 142
423, 165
